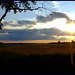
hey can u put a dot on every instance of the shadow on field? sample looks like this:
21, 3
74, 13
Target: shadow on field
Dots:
11, 62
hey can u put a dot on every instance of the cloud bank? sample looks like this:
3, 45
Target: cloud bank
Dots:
35, 34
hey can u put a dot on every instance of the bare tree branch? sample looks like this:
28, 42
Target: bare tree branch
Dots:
16, 6
4, 15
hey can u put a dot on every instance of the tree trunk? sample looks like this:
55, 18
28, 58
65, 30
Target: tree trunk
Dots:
4, 15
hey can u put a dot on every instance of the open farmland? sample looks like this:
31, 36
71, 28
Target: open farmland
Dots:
38, 48
37, 58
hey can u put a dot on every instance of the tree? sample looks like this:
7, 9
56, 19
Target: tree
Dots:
17, 6
59, 42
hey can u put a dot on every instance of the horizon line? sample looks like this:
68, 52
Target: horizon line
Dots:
33, 41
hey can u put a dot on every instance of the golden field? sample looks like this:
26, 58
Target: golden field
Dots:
55, 58
39, 48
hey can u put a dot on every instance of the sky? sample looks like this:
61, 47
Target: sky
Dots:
56, 23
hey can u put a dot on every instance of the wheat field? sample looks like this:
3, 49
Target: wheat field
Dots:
38, 48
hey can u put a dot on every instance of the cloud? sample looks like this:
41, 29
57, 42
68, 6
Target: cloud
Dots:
22, 24
70, 21
3, 33
14, 27
35, 34
26, 22
54, 31
9, 23
63, 38
51, 17
56, 15
22, 35
42, 19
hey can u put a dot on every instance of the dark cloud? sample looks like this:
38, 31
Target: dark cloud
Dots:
26, 22
9, 23
56, 15
22, 35
42, 19
53, 16
54, 31
22, 24
5, 23
42, 34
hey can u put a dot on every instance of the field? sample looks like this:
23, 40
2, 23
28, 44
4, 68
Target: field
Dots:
37, 58
38, 48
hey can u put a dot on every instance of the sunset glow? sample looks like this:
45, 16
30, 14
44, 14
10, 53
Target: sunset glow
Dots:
69, 27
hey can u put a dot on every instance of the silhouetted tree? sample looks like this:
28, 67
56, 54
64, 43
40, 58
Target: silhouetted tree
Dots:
0, 42
73, 41
17, 6
58, 41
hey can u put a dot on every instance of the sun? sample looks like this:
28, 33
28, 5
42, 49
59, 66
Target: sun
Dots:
71, 27
60, 24
63, 25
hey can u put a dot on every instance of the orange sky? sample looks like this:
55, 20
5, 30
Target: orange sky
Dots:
32, 41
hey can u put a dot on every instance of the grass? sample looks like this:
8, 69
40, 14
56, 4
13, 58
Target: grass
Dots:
38, 48
36, 59
11, 62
